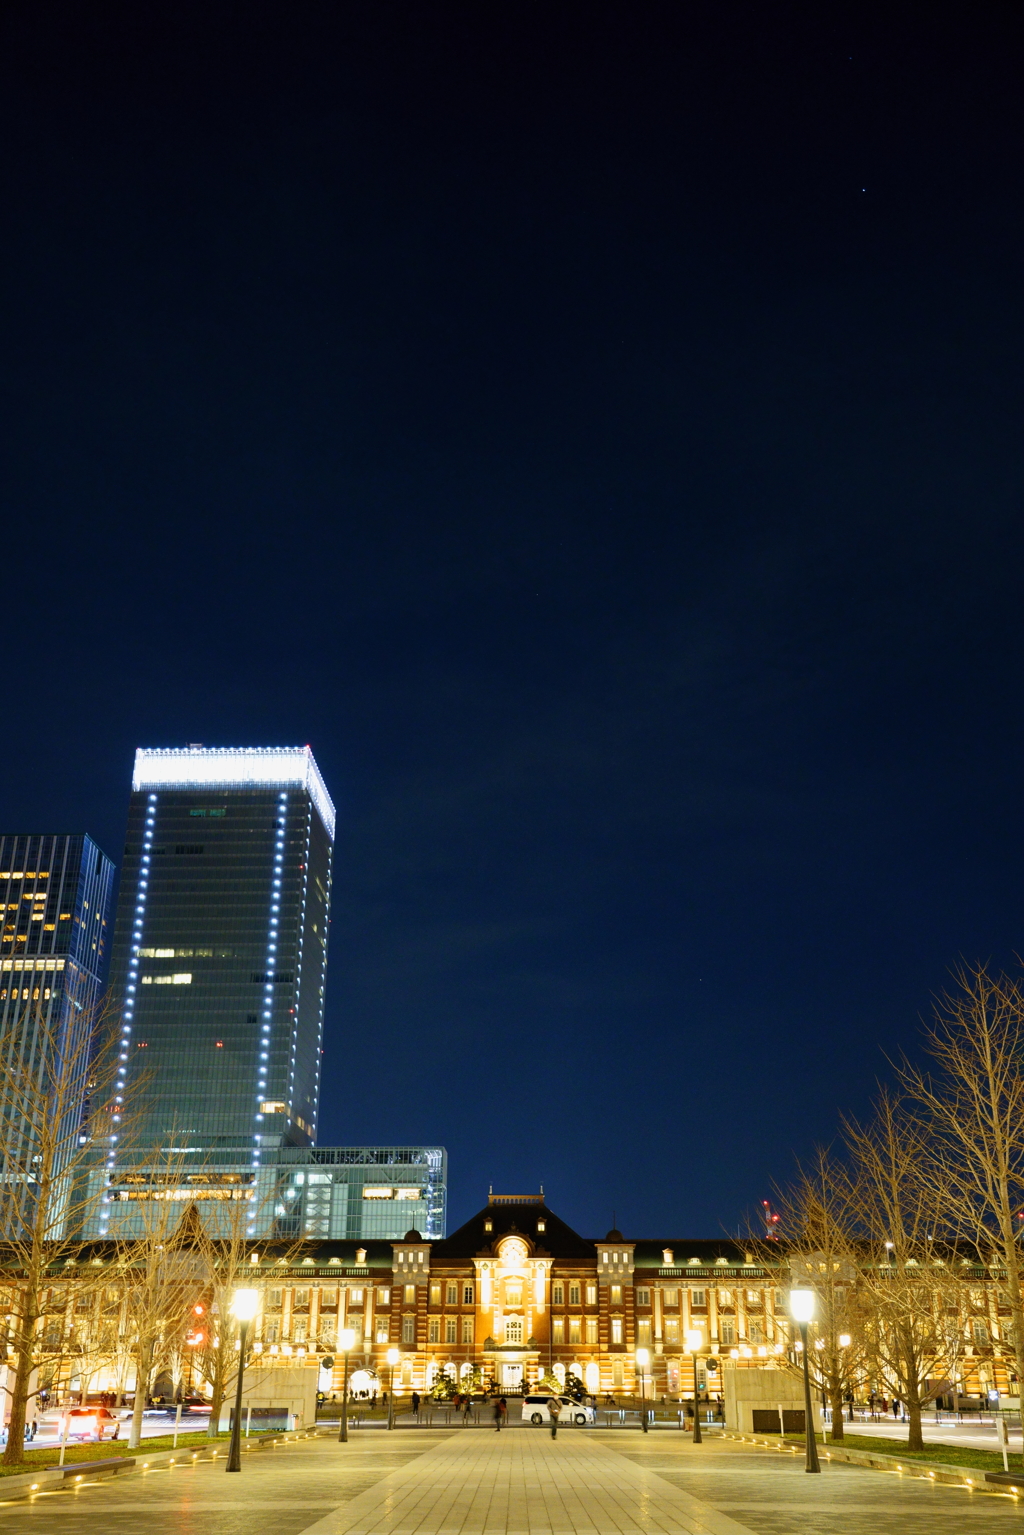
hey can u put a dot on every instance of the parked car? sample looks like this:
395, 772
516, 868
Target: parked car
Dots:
535, 1410
95, 1423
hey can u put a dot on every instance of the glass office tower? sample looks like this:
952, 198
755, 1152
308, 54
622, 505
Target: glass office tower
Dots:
220, 959
55, 898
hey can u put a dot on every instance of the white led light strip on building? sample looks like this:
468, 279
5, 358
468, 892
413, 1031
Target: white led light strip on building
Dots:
131, 986
234, 767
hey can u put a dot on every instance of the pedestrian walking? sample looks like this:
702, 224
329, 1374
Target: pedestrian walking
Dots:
416, 1404
554, 1408
896, 1407
503, 1405
497, 1415
467, 1410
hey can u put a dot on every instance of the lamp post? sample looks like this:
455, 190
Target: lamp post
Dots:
801, 1309
694, 1339
643, 1358
244, 1306
346, 1342
393, 1358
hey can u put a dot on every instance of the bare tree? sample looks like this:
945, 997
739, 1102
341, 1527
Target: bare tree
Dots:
826, 1256
56, 1106
974, 1103
228, 1258
914, 1294
164, 1273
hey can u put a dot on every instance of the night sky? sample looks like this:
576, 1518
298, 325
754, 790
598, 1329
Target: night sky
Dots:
597, 431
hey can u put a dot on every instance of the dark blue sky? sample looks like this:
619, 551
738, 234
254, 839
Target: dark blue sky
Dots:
598, 431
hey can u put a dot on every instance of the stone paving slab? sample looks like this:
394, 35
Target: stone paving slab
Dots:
477, 1482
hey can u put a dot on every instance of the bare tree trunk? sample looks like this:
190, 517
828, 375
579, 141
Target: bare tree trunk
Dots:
836, 1402
915, 1438
143, 1364
14, 1450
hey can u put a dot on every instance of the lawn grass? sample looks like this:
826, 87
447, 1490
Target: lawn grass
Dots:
945, 1454
35, 1460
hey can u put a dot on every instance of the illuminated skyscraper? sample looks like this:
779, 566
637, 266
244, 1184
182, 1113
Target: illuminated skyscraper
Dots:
220, 957
55, 898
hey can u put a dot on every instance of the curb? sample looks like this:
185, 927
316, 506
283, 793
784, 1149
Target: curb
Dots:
924, 1471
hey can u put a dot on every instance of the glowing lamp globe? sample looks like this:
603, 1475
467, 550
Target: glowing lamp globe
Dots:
802, 1305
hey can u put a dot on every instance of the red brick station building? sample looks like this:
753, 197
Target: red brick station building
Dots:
516, 1294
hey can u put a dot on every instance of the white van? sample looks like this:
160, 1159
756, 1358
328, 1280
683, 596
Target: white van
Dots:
535, 1410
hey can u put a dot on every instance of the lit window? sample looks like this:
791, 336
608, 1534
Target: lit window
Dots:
591, 1294
410, 1295
616, 1329
467, 1329
616, 1294
591, 1329
378, 1191
557, 1330
574, 1329
449, 1329
643, 1330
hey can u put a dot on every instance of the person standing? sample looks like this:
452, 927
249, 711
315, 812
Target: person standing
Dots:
497, 1415
416, 1404
554, 1409
467, 1410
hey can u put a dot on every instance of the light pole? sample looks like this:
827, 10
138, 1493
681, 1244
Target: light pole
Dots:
694, 1339
244, 1306
393, 1358
346, 1342
643, 1358
801, 1309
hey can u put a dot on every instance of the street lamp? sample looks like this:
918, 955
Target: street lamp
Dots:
244, 1305
694, 1339
346, 1342
801, 1309
393, 1358
643, 1359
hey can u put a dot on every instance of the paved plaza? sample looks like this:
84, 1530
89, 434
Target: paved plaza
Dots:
475, 1482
